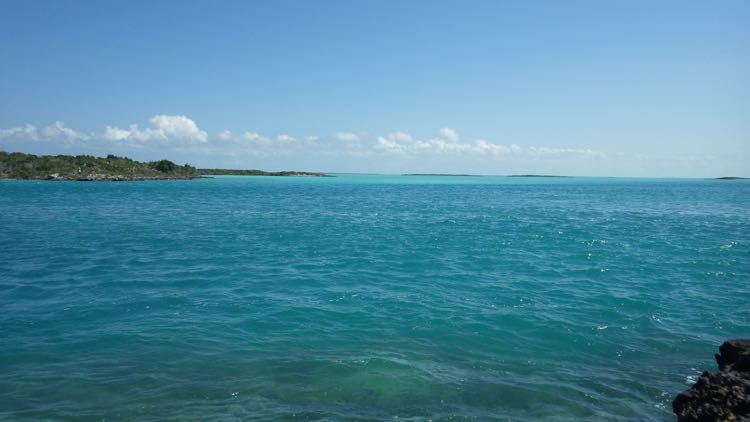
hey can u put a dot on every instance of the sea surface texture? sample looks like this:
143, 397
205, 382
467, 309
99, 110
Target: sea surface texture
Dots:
366, 297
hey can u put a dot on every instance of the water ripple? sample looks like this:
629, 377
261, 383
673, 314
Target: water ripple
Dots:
366, 297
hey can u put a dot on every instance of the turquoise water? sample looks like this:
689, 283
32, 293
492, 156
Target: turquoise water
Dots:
366, 297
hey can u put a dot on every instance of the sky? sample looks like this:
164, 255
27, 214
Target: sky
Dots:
586, 88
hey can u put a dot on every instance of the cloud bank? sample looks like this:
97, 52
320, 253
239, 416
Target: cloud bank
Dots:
55, 131
167, 134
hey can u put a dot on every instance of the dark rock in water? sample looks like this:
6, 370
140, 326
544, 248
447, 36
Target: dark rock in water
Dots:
721, 396
734, 356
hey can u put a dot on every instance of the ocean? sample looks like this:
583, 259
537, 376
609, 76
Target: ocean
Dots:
367, 297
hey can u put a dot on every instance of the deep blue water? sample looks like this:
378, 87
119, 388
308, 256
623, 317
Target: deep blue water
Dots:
370, 297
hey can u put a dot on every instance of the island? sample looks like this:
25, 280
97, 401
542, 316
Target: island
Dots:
18, 165
230, 172
22, 166
730, 178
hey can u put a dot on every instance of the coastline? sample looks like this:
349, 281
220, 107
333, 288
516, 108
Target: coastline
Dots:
101, 178
255, 172
87, 168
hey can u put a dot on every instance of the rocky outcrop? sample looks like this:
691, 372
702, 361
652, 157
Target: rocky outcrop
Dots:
721, 396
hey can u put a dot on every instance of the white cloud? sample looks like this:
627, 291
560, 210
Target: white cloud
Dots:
256, 138
165, 128
115, 134
168, 131
566, 152
55, 131
484, 147
346, 136
179, 127
448, 143
400, 137
251, 136
26, 132
394, 143
389, 146
285, 139
449, 134
58, 130
131, 133
224, 135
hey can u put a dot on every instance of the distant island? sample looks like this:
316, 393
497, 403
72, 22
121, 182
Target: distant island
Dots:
229, 172
22, 166
730, 178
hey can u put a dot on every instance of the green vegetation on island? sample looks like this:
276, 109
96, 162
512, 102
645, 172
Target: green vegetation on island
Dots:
17, 165
230, 172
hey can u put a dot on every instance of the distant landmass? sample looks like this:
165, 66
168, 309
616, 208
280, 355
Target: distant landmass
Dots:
18, 165
230, 172
730, 178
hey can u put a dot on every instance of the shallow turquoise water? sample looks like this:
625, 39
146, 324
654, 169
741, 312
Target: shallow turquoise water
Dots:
371, 297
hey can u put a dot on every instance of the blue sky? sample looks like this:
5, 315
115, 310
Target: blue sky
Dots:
636, 88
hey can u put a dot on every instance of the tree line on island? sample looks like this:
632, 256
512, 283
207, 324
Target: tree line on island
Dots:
18, 165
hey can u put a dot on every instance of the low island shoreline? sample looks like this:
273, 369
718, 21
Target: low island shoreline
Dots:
112, 168
20, 166
230, 172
